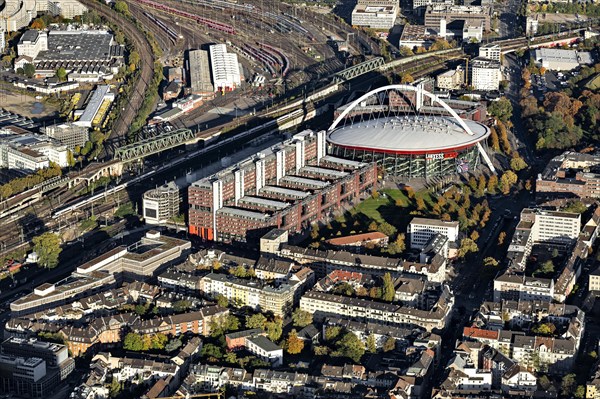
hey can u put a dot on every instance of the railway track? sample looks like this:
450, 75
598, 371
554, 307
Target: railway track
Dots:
122, 124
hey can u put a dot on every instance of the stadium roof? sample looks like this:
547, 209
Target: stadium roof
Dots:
409, 134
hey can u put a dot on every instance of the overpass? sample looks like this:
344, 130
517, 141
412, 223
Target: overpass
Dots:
154, 145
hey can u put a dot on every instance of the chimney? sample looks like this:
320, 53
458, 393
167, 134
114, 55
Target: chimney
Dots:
443, 28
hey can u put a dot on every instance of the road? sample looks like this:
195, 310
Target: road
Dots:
508, 26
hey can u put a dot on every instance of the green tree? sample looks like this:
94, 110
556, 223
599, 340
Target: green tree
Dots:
567, 385
231, 358
173, 345
350, 346
489, 261
133, 342
389, 344
115, 388
158, 341
29, 70
467, 246
580, 392
544, 329
182, 305
211, 351
575, 207
221, 300
332, 333
388, 288
501, 109
47, 247
274, 329
134, 58
517, 163
386, 229
545, 268
294, 344
122, 7
301, 318
371, 343
256, 321
508, 179
343, 288
70, 158
61, 74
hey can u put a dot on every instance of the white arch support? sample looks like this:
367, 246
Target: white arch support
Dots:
420, 92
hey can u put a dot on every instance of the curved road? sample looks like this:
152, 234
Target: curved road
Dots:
142, 46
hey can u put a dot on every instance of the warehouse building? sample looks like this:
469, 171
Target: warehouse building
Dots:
96, 108
562, 60
199, 73
225, 68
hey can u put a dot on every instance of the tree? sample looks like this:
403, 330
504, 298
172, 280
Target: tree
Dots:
29, 70
372, 226
274, 329
580, 392
294, 344
406, 78
332, 332
211, 351
173, 345
231, 358
467, 245
400, 243
350, 346
508, 179
115, 388
343, 288
501, 237
301, 318
501, 109
38, 24
545, 268
489, 261
134, 58
575, 207
389, 344
221, 300
371, 343
386, 229
492, 184
421, 204
61, 74
544, 329
47, 247
133, 342
158, 341
122, 7
388, 291
182, 305
517, 163
567, 385
474, 235
256, 321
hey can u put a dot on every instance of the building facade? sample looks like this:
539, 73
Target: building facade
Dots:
161, 204
422, 230
485, 74
375, 14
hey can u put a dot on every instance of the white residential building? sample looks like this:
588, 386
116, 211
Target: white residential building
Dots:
265, 349
422, 230
225, 68
490, 51
485, 74
29, 152
451, 80
375, 14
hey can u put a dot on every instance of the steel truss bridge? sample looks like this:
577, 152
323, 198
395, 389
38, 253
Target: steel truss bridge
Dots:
154, 145
358, 69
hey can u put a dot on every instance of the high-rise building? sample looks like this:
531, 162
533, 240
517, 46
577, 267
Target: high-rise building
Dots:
161, 204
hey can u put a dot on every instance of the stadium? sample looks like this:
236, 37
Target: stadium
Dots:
410, 132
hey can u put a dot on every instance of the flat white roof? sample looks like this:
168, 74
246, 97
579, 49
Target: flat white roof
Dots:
409, 134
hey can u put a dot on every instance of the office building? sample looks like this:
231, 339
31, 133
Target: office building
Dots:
422, 230
31, 43
33, 368
161, 204
375, 14
69, 134
226, 73
199, 73
474, 15
419, 6
28, 152
486, 74
414, 36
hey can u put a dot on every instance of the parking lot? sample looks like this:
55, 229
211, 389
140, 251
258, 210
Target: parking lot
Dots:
550, 81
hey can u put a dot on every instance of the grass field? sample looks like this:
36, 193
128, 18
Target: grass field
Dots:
594, 83
392, 206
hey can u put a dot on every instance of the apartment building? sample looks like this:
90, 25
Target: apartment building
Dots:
197, 322
375, 14
281, 187
570, 174
324, 305
490, 51
279, 298
486, 74
422, 230
451, 80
